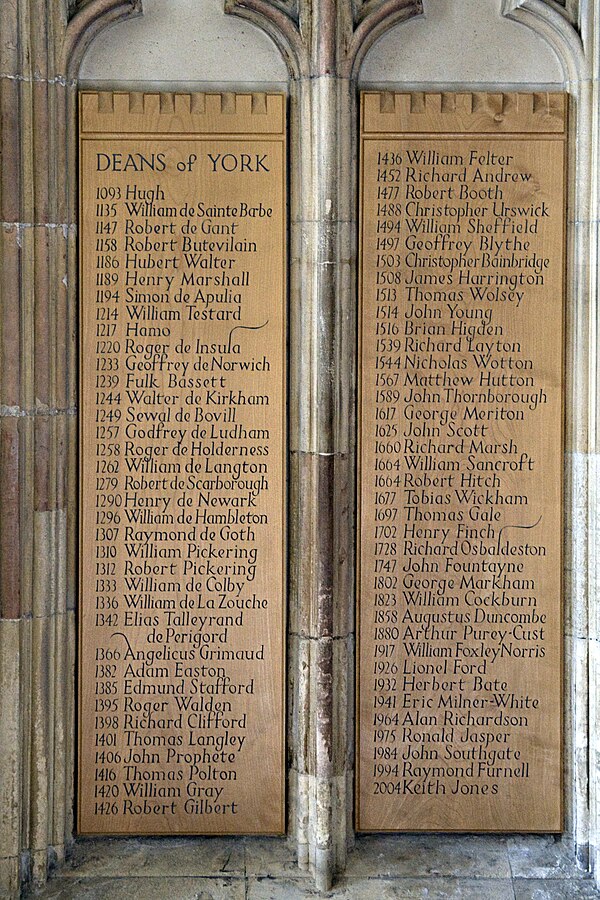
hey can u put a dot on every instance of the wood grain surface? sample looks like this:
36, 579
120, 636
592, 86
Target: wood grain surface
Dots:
182, 463
460, 464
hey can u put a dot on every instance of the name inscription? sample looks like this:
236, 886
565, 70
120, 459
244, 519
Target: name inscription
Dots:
461, 462
182, 464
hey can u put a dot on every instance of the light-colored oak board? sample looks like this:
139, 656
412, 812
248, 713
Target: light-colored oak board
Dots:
460, 476
448, 112
169, 113
182, 469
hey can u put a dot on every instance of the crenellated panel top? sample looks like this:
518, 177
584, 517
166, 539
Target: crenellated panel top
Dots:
135, 112
470, 112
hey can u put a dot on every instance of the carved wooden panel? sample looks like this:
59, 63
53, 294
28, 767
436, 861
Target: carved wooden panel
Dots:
182, 463
460, 486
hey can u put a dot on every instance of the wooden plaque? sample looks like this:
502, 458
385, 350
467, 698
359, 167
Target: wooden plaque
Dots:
460, 476
182, 449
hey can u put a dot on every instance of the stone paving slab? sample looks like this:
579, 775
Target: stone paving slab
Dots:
144, 889
554, 889
540, 856
285, 888
423, 855
382, 867
385, 889
271, 857
175, 857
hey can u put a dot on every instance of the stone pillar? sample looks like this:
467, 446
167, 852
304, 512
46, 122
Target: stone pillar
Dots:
36, 656
38, 430
323, 42
573, 34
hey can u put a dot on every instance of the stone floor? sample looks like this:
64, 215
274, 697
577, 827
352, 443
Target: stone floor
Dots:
380, 868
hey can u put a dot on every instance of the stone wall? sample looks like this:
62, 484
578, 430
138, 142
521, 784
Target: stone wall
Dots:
455, 43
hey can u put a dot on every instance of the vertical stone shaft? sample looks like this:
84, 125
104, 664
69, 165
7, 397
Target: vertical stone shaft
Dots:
321, 40
593, 47
323, 313
13, 437
322, 238
38, 435
323, 233
36, 658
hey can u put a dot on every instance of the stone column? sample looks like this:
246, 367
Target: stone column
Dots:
36, 419
38, 429
573, 33
323, 42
